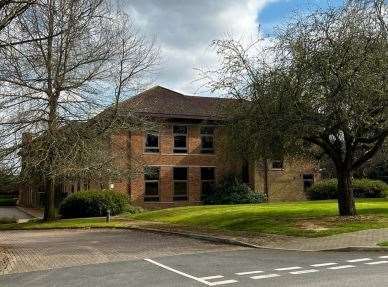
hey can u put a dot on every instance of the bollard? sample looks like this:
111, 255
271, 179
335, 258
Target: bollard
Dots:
108, 215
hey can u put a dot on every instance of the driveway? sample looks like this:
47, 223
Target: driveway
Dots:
206, 265
28, 251
11, 212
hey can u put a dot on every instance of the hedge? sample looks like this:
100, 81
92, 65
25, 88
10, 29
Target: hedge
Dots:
94, 203
362, 188
232, 191
8, 199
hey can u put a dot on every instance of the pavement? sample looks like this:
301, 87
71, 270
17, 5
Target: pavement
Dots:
131, 258
359, 239
12, 212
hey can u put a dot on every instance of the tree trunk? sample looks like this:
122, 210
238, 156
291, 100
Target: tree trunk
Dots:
266, 188
346, 204
49, 211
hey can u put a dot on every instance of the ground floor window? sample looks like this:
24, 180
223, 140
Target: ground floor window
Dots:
207, 180
180, 183
151, 183
308, 180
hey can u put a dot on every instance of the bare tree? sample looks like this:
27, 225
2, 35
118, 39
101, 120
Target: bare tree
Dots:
324, 88
11, 9
87, 57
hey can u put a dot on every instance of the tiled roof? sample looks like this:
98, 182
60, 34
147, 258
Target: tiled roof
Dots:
165, 103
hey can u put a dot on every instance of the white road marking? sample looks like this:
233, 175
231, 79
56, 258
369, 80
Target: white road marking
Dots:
377, 262
383, 257
249, 272
288, 268
324, 264
359, 260
341, 267
223, 282
304, 271
265, 276
212, 277
188, 275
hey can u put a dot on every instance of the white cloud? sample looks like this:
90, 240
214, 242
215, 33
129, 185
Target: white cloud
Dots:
185, 29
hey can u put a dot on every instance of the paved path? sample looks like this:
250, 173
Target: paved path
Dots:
244, 267
41, 250
12, 212
364, 238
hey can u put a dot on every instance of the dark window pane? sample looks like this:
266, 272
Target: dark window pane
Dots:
207, 130
180, 130
180, 173
245, 172
151, 173
180, 190
179, 141
152, 140
278, 164
207, 188
207, 173
151, 188
207, 142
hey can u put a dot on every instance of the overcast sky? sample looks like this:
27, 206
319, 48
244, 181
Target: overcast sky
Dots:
184, 30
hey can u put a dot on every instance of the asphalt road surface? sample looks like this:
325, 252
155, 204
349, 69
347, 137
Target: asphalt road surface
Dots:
242, 267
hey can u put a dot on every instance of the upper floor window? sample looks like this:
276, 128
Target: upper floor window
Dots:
180, 139
152, 141
180, 183
151, 183
207, 139
277, 164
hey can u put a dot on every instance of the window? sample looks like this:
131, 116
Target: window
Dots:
151, 183
207, 139
207, 180
180, 139
308, 180
180, 183
277, 164
152, 142
245, 172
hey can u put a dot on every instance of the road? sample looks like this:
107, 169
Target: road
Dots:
198, 263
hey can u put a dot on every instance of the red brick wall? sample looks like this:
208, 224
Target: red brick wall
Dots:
166, 159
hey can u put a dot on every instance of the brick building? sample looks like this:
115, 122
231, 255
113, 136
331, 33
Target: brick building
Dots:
183, 154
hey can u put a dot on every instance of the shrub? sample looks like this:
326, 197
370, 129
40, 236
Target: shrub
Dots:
8, 199
232, 191
362, 188
93, 203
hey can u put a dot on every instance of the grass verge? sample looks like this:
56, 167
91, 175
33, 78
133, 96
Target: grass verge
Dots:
383, 244
308, 219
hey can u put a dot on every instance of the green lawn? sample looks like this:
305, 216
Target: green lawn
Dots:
95, 222
384, 244
312, 219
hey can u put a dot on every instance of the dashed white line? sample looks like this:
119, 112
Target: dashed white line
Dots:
212, 277
324, 264
383, 257
377, 262
341, 267
304, 271
288, 268
264, 276
359, 260
222, 282
249, 272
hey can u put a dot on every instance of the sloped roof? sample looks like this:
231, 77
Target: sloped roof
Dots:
164, 103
